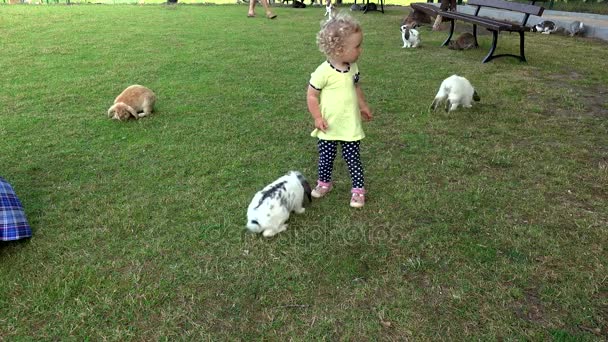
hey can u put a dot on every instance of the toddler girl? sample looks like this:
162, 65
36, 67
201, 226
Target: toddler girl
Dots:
336, 102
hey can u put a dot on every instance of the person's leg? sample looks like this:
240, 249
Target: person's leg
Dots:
251, 12
351, 154
269, 13
437, 24
327, 155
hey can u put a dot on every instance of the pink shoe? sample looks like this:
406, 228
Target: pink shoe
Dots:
321, 189
357, 199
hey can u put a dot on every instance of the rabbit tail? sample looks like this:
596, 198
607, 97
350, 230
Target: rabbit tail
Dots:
476, 96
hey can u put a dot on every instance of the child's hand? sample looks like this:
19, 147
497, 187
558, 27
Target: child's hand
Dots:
366, 114
321, 124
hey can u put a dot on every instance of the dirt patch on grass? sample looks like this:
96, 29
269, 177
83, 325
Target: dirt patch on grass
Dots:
569, 75
561, 89
530, 308
595, 101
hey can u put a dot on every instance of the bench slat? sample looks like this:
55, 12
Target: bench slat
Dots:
485, 22
508, 5
489, 25
426, 8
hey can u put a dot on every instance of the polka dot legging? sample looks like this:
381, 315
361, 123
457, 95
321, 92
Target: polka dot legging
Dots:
350, 152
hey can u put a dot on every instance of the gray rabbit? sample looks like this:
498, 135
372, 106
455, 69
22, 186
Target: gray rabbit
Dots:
575, 28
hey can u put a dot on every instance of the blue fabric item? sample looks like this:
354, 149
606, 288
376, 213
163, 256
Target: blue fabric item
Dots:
13, 224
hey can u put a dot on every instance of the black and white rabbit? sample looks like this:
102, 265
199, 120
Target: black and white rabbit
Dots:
329, 8
545, 27
270, 208
298, 4
458, 91
410, 36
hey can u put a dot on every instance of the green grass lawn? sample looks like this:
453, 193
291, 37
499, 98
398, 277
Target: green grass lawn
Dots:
483, 224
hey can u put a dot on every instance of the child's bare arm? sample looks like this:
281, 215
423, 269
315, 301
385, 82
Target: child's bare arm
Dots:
312, 100
366, 113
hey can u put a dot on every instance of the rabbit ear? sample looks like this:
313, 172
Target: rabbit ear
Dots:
306, 186
476, 96
111, 110
307, 190
131, 111
407, 33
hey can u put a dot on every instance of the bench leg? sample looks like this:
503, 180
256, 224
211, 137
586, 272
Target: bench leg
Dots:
475, 35
493, 48
452, 24
491, 55
522, 57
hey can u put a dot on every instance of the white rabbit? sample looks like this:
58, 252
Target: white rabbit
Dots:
458, 91
410, 37
270, 208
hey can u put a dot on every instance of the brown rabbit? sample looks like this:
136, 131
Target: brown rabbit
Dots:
132, 101
464, 42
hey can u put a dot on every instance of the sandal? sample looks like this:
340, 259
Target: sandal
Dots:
271, 15
357, 199
249, 15
321, 190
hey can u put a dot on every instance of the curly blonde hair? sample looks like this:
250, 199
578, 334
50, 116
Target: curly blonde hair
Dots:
334, 32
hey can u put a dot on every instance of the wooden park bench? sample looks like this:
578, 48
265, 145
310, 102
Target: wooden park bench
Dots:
493, 25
